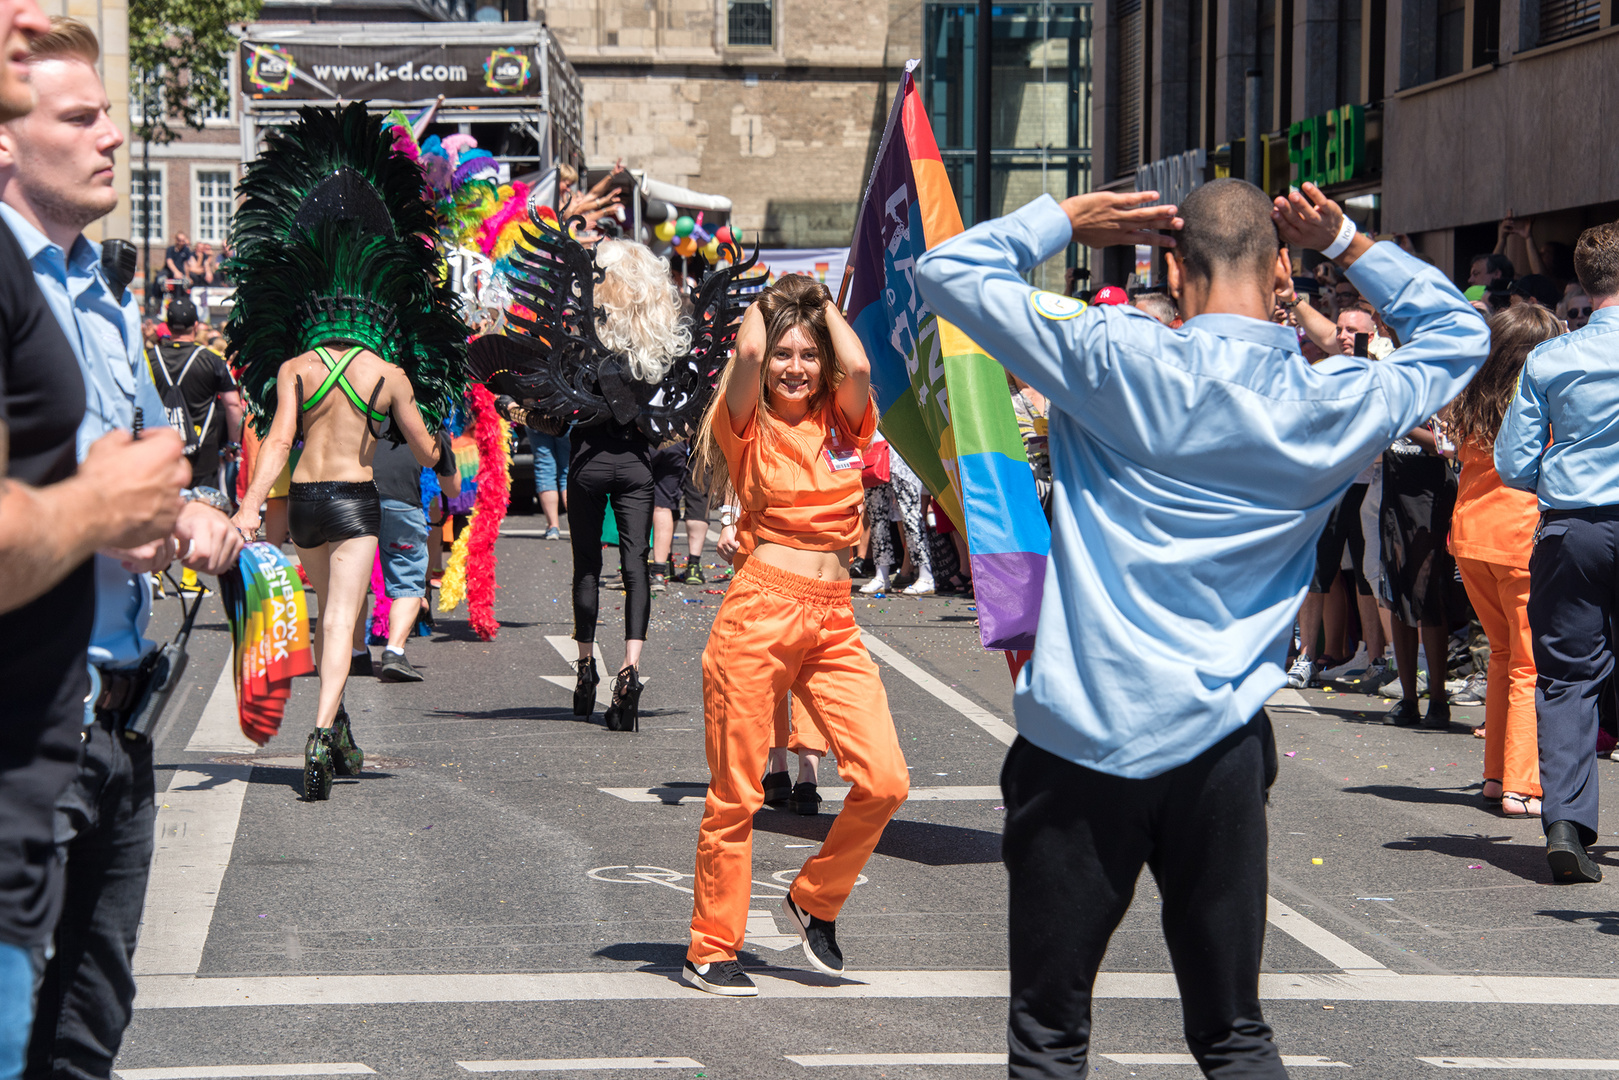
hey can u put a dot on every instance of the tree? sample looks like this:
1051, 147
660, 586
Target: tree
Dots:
180, 53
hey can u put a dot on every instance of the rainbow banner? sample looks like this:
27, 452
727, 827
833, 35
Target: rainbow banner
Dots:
944, 403
269, 619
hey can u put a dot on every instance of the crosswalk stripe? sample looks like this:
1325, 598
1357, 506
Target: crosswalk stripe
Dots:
985, 719
579, 1064
1546, 1064
224, 1072
823, 1060
1292, 1061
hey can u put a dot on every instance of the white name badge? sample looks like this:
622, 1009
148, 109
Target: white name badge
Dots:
838, 460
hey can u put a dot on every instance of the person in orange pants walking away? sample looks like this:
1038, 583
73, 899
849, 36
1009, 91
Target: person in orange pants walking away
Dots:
787, 429
1492, 533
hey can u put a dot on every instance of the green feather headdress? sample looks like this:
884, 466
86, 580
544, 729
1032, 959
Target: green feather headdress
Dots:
335, 240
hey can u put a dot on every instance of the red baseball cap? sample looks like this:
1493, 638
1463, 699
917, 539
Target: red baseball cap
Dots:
1110, 294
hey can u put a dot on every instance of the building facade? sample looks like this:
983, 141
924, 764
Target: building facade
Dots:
1430, 118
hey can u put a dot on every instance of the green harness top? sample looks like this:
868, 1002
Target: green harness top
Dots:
337, 376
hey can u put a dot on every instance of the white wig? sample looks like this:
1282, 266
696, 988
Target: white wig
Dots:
640, 307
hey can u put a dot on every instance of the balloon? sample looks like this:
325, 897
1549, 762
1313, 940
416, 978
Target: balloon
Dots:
665, 230
657, 212
687, 247
723, 234
701, 234
711, 250
684, 225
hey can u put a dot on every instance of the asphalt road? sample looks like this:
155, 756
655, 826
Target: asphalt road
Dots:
507, 888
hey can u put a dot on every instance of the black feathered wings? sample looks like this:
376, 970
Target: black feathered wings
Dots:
551, 361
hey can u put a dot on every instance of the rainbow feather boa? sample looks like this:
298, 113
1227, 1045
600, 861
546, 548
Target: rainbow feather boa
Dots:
470, 573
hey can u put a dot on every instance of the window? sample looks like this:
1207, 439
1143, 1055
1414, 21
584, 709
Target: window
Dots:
146, 194
1449, 38
750, 23
1562, 19
1132, 47
211, 196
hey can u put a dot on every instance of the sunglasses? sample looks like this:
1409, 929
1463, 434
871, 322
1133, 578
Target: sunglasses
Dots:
1579, 312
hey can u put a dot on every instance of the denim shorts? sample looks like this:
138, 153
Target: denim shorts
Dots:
550, 461
403, 545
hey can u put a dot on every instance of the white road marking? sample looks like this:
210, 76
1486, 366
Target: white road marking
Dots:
1287, 698
196, 829
820, 1060
1322, 941
219, 728
985, 719
763, 931
686, 796
1292, 1061
569, 649
533, 532
1548, 1064
211, 1072
190, 992
580, 1064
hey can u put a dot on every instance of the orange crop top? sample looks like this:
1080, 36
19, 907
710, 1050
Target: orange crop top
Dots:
803, 488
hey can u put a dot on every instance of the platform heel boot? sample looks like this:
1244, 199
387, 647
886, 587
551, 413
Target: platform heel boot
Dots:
624, 714
347, 758
318, 766
584, 692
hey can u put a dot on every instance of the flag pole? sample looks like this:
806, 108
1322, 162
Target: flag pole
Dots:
843, 288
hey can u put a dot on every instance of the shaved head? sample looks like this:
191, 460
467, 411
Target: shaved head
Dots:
1228, 233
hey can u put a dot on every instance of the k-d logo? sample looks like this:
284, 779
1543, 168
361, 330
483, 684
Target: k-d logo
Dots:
506, 70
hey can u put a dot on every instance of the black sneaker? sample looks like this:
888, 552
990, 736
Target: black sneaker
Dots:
360, 663
804, 800
1404, 714
725, 978
693, 573
395, 668
659, 584
820, 937
778, 786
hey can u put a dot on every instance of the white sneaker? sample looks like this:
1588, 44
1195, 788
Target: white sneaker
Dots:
1391, 689
876, 585
922, 586
1349, 668
1302, 673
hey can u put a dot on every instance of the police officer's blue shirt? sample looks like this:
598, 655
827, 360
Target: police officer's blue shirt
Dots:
105, 332
1192, 470
1569, 387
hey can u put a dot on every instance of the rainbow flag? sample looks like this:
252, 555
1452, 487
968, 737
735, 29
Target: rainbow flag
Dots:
944, 403
269, 619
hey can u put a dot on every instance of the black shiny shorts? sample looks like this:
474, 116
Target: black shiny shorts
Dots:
332, 510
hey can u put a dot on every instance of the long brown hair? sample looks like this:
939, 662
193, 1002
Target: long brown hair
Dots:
1477, 411
793, 302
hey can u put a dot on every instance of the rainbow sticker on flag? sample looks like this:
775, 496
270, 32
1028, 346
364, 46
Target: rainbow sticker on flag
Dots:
269, 619
944, 403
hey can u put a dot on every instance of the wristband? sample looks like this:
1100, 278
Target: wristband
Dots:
1340, 244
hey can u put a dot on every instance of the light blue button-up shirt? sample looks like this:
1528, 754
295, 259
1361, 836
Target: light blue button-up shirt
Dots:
105, 332
1192, 471
1570, 387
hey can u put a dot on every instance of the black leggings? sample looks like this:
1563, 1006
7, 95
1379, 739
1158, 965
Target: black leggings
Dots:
332, 510
628, 479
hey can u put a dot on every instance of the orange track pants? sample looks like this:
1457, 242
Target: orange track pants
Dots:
777, 632
795, 731
1500, 596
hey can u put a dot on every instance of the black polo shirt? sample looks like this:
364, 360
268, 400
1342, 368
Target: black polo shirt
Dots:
43, 644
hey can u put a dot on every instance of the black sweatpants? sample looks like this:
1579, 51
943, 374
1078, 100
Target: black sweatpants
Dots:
1573, 596
104, 827
1074, 844
628, 479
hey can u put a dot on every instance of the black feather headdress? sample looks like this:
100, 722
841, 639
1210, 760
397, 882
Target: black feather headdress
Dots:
336, 241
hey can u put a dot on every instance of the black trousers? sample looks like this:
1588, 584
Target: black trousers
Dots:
1074, 844
628, 479
1573, 596
104, 827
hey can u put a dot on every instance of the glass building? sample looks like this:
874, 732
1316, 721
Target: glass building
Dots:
1040, 130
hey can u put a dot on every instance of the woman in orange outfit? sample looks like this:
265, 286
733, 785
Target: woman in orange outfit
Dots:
1491, 535
787, 430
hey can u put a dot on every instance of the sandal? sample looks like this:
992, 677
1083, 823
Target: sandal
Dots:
1516, 805
1478, 732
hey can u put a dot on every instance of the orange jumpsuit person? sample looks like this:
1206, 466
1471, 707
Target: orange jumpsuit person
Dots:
787, 429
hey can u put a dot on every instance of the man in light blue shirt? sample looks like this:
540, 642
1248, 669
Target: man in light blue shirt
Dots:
1570, 386
1193, 470
56, 168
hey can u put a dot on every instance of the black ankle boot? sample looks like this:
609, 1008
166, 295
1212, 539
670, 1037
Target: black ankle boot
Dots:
584, 693
624, 714
347, 758
317, 767
1569, 862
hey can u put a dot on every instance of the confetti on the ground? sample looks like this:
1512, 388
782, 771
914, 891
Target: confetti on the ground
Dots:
1475, 866
1291, 753
1318, 862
